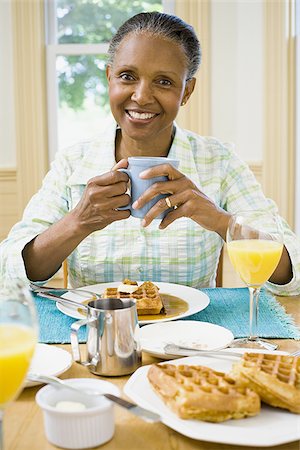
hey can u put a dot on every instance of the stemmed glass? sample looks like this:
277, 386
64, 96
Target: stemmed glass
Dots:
254, 244
18, 336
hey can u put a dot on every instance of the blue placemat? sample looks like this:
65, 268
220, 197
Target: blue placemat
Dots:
228, 308
55, 327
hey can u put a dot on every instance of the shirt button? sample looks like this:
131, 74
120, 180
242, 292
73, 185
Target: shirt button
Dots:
140, 269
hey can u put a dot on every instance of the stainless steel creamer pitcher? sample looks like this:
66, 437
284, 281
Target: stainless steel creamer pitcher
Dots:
113, 344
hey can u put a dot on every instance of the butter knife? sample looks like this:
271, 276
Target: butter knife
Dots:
143, 413
173, 349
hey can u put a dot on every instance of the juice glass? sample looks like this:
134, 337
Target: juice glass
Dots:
254, 245
18, 336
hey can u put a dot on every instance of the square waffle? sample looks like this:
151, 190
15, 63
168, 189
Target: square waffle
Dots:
276, 378
198, 392
148, 300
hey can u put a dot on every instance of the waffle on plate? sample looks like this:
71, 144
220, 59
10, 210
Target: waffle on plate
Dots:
198, 392
148, 300
276, 378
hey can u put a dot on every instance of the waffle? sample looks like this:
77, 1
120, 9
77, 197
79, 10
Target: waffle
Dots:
148, 300
129, 282
276, 378
198, 392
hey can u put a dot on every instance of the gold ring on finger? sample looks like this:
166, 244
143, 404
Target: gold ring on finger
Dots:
168, 202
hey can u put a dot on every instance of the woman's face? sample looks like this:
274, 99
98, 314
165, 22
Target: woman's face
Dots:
147, 83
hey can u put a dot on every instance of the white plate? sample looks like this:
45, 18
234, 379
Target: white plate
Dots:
195, 299
271, 427
49, 360
188, 333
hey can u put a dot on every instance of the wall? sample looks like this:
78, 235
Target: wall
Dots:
7, 132
8, 181
24, 143
237, 75
297, 193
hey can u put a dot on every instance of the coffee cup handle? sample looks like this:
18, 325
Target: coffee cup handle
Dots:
122, 208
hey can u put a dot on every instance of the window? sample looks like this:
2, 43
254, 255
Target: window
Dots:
78, 34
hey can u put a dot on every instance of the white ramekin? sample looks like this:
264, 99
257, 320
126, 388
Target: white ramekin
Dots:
85, 429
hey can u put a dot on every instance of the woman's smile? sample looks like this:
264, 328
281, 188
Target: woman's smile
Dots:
140, 116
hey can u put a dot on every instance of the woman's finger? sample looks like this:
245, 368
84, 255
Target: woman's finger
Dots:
175, 200
108, 179
171, 217
164, 204
163, 170
122, 164
178, 191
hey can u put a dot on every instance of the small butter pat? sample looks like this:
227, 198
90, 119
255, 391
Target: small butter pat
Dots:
127, 288
70, 406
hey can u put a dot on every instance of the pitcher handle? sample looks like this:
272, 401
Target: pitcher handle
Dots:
75, 342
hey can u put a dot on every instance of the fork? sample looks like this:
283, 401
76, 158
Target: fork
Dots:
36, 288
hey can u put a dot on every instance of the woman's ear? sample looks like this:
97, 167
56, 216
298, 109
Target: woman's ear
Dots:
188, 90
107, 72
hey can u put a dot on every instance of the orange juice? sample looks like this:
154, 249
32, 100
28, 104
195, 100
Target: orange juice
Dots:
254, 259
17, 344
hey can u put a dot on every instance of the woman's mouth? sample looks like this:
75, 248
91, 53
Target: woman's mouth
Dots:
140, 115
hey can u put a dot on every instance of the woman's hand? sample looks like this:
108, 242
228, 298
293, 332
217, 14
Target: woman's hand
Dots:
45, 253
187, 199
100, 200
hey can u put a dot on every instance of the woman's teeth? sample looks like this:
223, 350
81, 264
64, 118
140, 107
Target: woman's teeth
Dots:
141, 116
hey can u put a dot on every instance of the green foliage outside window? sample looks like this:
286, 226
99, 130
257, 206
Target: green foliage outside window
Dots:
90, 22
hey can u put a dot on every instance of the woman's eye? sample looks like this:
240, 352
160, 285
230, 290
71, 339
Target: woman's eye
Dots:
164, 82
126, 77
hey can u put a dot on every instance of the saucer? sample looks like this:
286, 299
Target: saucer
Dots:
49, 360
186, 333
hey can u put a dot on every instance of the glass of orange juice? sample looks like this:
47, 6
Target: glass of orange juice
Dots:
254, 245
18, 336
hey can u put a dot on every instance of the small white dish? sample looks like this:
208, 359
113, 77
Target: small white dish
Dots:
49, 360
88, 428
186, 333
195, 299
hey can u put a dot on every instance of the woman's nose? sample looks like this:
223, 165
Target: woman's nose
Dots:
142, 94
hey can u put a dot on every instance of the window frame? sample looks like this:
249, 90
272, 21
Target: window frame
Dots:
54, 49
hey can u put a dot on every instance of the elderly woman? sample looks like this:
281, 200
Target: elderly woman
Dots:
153, 59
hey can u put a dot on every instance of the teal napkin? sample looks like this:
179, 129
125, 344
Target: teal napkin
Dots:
228, 308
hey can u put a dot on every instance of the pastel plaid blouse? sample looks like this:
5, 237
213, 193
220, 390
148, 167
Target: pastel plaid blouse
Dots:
183, 253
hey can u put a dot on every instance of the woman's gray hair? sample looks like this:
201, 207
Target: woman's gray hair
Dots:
163, 25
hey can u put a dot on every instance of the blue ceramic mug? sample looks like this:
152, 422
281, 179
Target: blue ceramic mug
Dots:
136, 165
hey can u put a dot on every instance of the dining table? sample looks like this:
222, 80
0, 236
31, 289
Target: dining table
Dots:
24, 428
